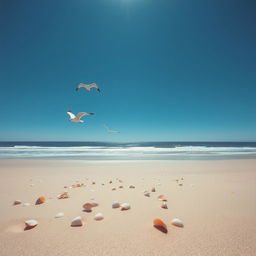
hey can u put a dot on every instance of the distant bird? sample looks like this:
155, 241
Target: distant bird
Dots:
76, 119
110, 131
88, 86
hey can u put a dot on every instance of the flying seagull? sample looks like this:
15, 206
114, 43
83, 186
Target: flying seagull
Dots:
76, 119
110, 131
88, 86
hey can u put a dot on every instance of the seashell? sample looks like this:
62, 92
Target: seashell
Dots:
162, 198
115, 204
153, 190
125, 206
77, 222
180, 184
98, 216
120, 186
88, 207
26, 204
65, 187
182, 178
63, 195
59, 215
31, 224
102, 184
177, 222
164, 205
146, 193
16, 202
110, 181
113, 188
41, 200
131, 186
93, 183
160, 225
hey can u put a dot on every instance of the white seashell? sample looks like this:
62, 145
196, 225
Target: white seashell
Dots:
177, 222
115, 204
153, 190
98, 216
31, 223
77, 222
125, 206
131, 186
59, 215
146, 193
26, 204
164, 205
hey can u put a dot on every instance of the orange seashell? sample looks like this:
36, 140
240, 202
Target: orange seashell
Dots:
63, 195
88, 207
162, 198
41, 200
160, 225
16, 202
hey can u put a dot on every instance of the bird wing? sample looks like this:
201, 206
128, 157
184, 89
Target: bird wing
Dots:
72, 116
81, 114
80, 85
94, 85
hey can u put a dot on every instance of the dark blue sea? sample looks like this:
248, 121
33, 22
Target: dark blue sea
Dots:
127, 151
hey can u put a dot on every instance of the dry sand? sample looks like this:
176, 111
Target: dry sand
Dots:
217, 203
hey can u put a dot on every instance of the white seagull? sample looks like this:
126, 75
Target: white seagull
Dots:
76, 119
88, 86
110, 131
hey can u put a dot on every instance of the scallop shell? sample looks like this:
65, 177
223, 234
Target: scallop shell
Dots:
77, 222
125, 206
41, 200
177, 222
131, 186
164, 205
16, 202
98, 216
31, 223
160, 225
115, 204
59, 215
63, 195
162, 198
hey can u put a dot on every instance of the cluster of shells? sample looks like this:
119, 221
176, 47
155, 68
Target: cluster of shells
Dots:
88, 207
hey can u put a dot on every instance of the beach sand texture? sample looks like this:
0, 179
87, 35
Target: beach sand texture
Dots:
216, 202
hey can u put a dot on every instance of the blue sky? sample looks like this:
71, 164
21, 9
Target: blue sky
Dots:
177, 70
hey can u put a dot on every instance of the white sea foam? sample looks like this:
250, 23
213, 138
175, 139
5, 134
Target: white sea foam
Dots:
88, 152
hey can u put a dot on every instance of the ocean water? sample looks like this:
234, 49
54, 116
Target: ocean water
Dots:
128, 151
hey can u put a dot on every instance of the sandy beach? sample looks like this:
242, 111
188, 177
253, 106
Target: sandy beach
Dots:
216, 202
